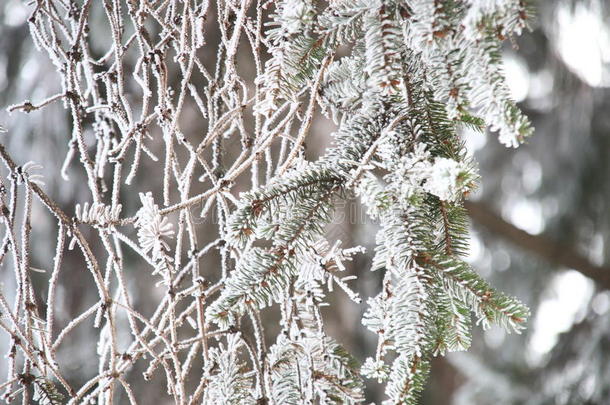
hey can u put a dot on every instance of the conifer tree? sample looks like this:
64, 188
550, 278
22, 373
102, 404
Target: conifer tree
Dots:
399, 78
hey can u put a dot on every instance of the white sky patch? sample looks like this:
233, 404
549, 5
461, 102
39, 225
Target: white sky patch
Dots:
531, 176
29, 71
473, 139
517, 77
601, 303
475, 248
15, 14
3, 81
541, 84
500, 260
550, 206
596, 250
494, 337
569, 294
584, 42
526, 215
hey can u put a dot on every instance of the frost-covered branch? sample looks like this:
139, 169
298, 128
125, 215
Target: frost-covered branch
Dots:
165, 95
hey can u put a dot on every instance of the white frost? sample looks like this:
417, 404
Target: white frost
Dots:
444, 179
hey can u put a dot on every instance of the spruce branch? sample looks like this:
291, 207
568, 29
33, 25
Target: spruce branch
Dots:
173, 83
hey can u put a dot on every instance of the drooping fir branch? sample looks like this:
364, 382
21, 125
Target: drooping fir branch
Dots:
430, 81
407, 380
342, 21
228, 384
344, 86
291, 213
383, 44
263, 274
453, 327
428, 307
427, 303
399, 78
307, 365
489, 305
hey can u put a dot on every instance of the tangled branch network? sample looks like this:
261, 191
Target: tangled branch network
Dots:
215, 100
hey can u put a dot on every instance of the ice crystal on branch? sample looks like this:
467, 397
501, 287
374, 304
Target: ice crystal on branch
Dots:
399, 78
153, 229
445, 179
97, 214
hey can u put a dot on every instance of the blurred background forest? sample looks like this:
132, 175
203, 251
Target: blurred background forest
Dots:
541, 218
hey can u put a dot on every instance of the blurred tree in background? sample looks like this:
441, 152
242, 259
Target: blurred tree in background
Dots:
540, 217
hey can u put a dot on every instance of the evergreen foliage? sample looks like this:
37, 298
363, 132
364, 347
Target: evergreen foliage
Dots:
426, 64
400, 78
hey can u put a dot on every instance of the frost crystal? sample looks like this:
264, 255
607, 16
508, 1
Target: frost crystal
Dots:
97, 214
153, 228
295, 15
375, 369
27, 174
444, 179
413, 170
322, 263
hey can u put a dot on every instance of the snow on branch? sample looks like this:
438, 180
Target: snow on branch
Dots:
170, 111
